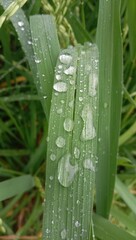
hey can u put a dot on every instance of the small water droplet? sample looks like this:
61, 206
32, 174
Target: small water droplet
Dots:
60, 67
77, 224
44, 97
63, 234
68, 124
65, 58
88, 131
93, 83
37, 60
29, 42
20, 24
53, 157
70, 71
58, 77
66, 171
80, 99
47, 230
60, 87
76, 152
60, 142
59, 111
88, 164
51, 178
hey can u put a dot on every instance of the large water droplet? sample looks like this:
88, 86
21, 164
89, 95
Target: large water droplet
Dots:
88, 164
66, 171
68, 124
60, 87
88, 131
70, 71
93, 82
65, 58
63, 234
60, 142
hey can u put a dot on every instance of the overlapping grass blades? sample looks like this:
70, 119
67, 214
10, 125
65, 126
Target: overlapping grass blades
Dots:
110, 50
71, 151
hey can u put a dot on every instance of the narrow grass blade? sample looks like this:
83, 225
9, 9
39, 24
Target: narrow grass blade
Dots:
72, 145
104, 230
15, 186
128, 134
14, 152
126, 195
46, 50
131, 17
110, 50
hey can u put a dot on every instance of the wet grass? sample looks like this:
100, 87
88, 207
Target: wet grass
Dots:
23, 126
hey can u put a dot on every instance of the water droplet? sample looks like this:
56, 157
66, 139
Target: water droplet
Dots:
51, 178
88, 164
63, 234
66, 171
60, 142
80, 99
59, 111
58, 77
77, 224
53, 157
60, 67
70, 71
44, 97
65, 58
68, 124
37, 60
76, 152
71, 103
47, 230
60, 87
93, 82
105, 105
20, 24
88, 131
29, 42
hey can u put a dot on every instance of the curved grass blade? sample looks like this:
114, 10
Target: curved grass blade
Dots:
15, 186
104, 230
110, 50
71, 147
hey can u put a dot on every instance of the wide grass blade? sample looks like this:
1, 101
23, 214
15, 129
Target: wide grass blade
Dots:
104, 230
72, 145
131, 17
15, 186
110, 77
46, 50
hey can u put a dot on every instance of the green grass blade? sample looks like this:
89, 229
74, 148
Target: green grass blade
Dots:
46, 50
128, 134
71, 147
104, 230
15, 186
110, 50
131, 17
126, 195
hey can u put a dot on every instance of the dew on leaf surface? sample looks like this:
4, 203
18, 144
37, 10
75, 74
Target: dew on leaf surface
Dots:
66, 171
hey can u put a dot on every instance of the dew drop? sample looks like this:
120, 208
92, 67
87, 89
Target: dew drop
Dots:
58, 77
59, 111
29, 42
51, 178
88, 164
53, 157
76, 152
88, 131
37, 60
47, 230
66, 171
60, 67
77, 224
93, 82
60, 142
63, 234
70, 71
68, 124
20, 24
80, 99
60, 87
65, 58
